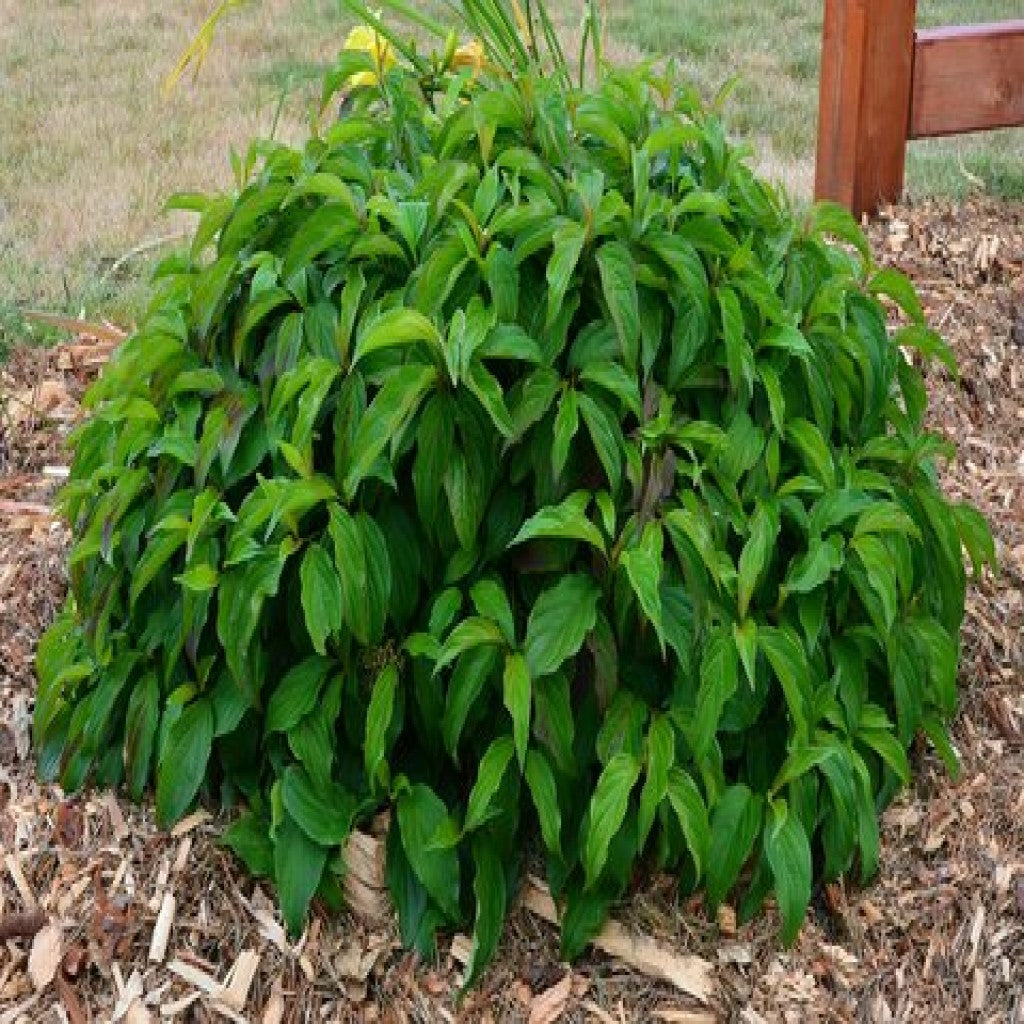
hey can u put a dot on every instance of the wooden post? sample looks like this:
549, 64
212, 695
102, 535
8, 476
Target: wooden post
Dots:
867, 68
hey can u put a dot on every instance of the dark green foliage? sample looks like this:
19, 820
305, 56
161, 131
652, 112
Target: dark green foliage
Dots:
512, 457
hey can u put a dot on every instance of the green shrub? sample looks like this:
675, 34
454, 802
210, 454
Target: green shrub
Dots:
511, 457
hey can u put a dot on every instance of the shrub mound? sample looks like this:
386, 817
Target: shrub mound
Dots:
511, 457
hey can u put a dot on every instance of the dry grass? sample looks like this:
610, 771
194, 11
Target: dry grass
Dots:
92, 148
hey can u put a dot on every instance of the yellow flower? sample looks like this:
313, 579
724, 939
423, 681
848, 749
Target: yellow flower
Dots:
470, 55
369, 40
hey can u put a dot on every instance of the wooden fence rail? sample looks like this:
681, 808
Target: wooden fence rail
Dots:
883, 82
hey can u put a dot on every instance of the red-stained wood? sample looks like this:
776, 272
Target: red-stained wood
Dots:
842, 72
968, 78
864, 107
885, 102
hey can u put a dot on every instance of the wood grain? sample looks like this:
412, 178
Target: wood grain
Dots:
842, 72
864, 103
968, 78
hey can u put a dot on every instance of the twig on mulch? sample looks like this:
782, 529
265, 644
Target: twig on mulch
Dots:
21, 926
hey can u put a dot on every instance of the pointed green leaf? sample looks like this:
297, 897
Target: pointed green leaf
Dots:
608, 808
421, 813
390, 410
493, 766
816, 566
692, 815
474, 631
719, 675
323, 813
183, 762
491, 901
745, 637
897, 286
618, 283
735, 824
487, 390
788, 659
321, 596
140, 728
789, 854
379, 716
541, 782
559, 622
643, 565
815, 452
298, 865
491, 601
739, 356
661, 755
606, 437
567, 521
295, 695
567, 422
757, 552
567, 245
248, 837
518, 696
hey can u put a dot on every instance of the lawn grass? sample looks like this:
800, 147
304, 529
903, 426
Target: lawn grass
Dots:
90, 147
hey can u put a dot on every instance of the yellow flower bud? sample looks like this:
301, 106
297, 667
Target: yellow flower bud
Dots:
368, 39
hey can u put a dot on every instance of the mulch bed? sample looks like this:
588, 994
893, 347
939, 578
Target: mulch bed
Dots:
104, 917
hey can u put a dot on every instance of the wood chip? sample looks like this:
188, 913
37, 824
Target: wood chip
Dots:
223, 1010
179, 1005
462, 948
272, 930
357, 960
552, 1003
207, 984
191, 822
671, 1016
138, 1014
131, 992
45, 956
118, 827
977, 925
599, 1012
690, 974
978, 991
181, 857
162, 929
14, 869
21, 926
73, 894
273, 1012
240, 978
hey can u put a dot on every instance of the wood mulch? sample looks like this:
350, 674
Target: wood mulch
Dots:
104, 917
